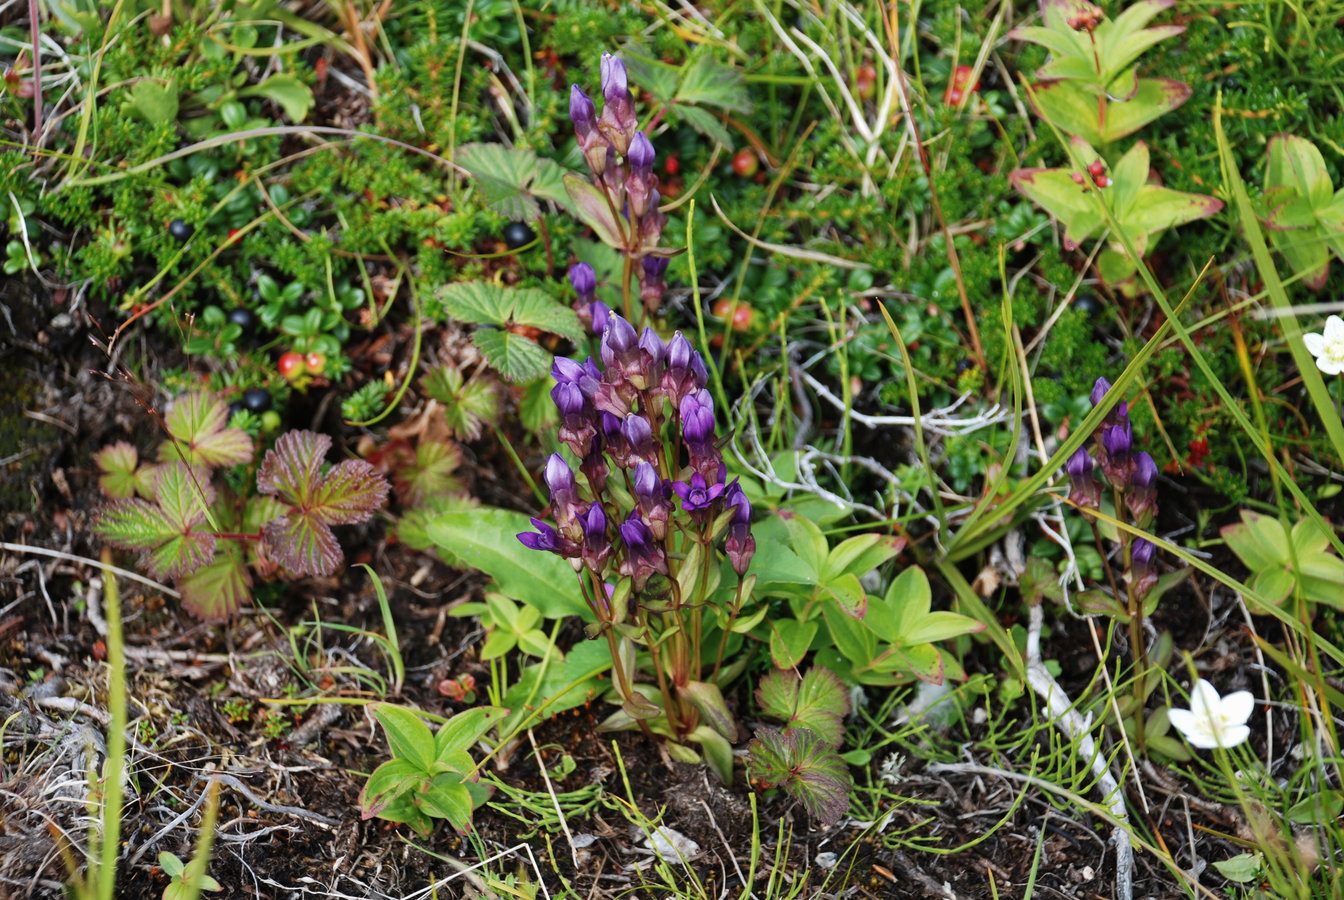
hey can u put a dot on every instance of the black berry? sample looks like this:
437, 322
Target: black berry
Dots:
257, 400
1087, 304
964, 365
244, 318
517, 234
180, 230
235, 408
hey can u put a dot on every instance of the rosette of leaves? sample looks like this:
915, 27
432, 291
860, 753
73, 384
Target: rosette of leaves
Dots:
1140, 208
509, 320
1091, 87
430, 775
1283, 559
202, 537
805, 766
1300, 208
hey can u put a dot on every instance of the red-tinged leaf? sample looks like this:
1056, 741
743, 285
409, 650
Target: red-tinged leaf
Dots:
594, 210
708, 700
219, 590
430, 474
302, 545
817, 701
117, 463
1056, 192
197, 423
166, 533
1297, 164
808, 770
301, 540
1157, 208
1155, 98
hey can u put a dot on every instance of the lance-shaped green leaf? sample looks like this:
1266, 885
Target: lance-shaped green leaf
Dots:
168, 533
805, 767
708, 700
1303, 213
512, 180
1098, 120
817, 701
302, 540
595, 211
388, 782
197, 423
407, 735
1277, 568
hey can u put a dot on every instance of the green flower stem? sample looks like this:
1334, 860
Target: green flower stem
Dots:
727, 629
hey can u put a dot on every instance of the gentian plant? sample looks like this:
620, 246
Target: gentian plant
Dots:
643, 523
1112, 476
620, 201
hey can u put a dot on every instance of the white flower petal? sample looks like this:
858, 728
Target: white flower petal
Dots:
1237, 707
1315, 343
1184, 721
1204, 699
1334, 329
1231, 737
1330, 366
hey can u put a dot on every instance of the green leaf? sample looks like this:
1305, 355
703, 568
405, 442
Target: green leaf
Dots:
514, 356
847, 593
449, 800
430, 474
292, 95
197, 424
486, 539
789, 641
1057, 193
863, 553
808, 542
171, 865
388, 782
718, 752
1242, 868
1155, 98
708, 700
1259, 541
939, 626
703, 121
157, 103
923, 660
513, 180
908, 599
166, 534
1157, 208
1295, 163
407, 735
487, 303
463, 730
707, 82
117, 462
817, 702
217, 591
592, 207
805, 768
852, 637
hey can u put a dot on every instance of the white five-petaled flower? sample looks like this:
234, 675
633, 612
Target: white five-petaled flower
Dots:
1328, 348
1214, 721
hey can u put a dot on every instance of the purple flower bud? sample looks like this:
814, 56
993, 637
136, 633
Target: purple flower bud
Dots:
601, 316
697, 495
638, 434
697, 419
1142, 574
741, 544
618, 448
621, 356
584, 280
653, 351
652, 284
643, 556
596, 544
640, 183
584, 375
1099, 390
1116, 443
1141, 496
618, 120
564, 492
651, 224
652, 495
544, 538
1084, 489
593, 143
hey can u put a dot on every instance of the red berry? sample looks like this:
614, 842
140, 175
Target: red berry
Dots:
673, 165
452, 690
291, 366
742, 317
962, 76
954, 96
233, 235
865, 81
745, 164
1096, 168
315, 362
1103, 181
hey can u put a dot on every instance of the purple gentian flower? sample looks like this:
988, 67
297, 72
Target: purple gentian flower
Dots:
1141, 496
641, 182
1142, 573
600, 314
618, 119
638, 434
652, 499
1084, 489
593, 143
544, 538
741, 544
697, 495
584, 281
697, 419
685, 370
643, 555
596, 544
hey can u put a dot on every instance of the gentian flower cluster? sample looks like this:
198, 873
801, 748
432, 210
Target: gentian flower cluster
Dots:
645, 420
621, 159
1132, 476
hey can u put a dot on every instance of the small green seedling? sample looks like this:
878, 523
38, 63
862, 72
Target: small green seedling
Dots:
182, 876
430, 775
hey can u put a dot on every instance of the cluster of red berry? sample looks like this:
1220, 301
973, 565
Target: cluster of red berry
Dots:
295, 365
960, 85
1097, 169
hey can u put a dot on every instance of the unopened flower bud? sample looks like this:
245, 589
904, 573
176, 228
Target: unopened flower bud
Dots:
1141, 492
1142, 573
618, 120
584, 281
1083, 488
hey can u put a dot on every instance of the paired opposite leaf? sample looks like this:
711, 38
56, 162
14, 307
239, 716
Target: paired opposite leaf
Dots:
302, 540
512, 180
517, 357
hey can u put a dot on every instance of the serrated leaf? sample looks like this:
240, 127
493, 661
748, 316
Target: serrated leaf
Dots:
430, 474
805, 768
703, 121
197, 424
707, 82
219, 590
166, 533
117, 463
512, 180
515, 357
817, 701
302, 540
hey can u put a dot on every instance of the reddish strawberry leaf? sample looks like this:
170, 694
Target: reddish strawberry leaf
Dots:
350, 492
117, 463
167, 533
220, 589
809, 771
197, 424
